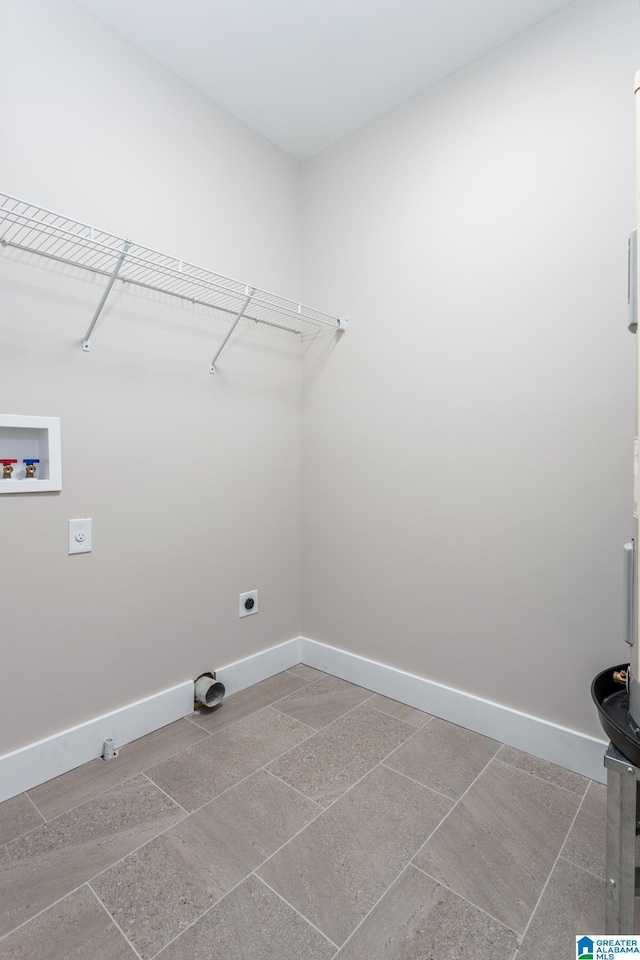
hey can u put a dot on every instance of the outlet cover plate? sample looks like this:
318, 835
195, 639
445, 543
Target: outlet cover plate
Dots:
80, 535
249, 595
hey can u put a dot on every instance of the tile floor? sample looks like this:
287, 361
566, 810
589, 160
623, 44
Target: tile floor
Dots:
304, 819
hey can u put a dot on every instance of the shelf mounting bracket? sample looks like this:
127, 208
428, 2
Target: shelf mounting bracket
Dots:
249, 292
116, 270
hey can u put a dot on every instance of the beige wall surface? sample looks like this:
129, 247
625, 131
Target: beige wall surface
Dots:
192, 481
467, 453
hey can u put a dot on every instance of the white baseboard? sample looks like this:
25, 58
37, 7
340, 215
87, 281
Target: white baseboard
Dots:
32, 765
29, 766
244, 673
37, 762
568, 748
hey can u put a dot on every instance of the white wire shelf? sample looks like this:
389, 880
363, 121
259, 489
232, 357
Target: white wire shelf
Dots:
28, 227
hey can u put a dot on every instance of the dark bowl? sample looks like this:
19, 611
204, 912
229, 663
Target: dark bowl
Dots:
612, 701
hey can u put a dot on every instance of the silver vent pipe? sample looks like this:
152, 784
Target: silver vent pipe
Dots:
208, 690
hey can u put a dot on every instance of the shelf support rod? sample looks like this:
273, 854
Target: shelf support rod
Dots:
250, 292
116, 270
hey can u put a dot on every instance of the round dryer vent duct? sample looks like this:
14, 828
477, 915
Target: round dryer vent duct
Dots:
208, 690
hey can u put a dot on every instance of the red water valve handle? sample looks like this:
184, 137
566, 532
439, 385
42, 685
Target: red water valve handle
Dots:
5, 463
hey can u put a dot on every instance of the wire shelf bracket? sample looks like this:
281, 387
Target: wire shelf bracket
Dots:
34, 229
250, 293
116, 270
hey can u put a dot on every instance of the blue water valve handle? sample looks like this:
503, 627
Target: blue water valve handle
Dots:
30, 464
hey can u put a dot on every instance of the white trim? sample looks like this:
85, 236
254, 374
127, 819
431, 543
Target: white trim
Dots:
37, 762
29, 766
32, 765
260, 666
575, 751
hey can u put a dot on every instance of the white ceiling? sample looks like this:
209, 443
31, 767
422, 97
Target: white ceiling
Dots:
305, 73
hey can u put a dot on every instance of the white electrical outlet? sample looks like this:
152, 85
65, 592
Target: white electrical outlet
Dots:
80, 535
248, 603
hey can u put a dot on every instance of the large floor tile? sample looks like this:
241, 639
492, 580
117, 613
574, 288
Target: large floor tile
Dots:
586, 843
543, 769
251, 923
336, 869
246, 702
444, 757
89, 780
307, 673
44, 865
321, 702
17, 816
335, 758
400, 711
197, 775
76, 928
418, 920
573, 903
498, 846
159, 890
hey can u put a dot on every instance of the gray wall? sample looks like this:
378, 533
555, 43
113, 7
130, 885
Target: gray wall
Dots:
192, 481
467, 449
466, 446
